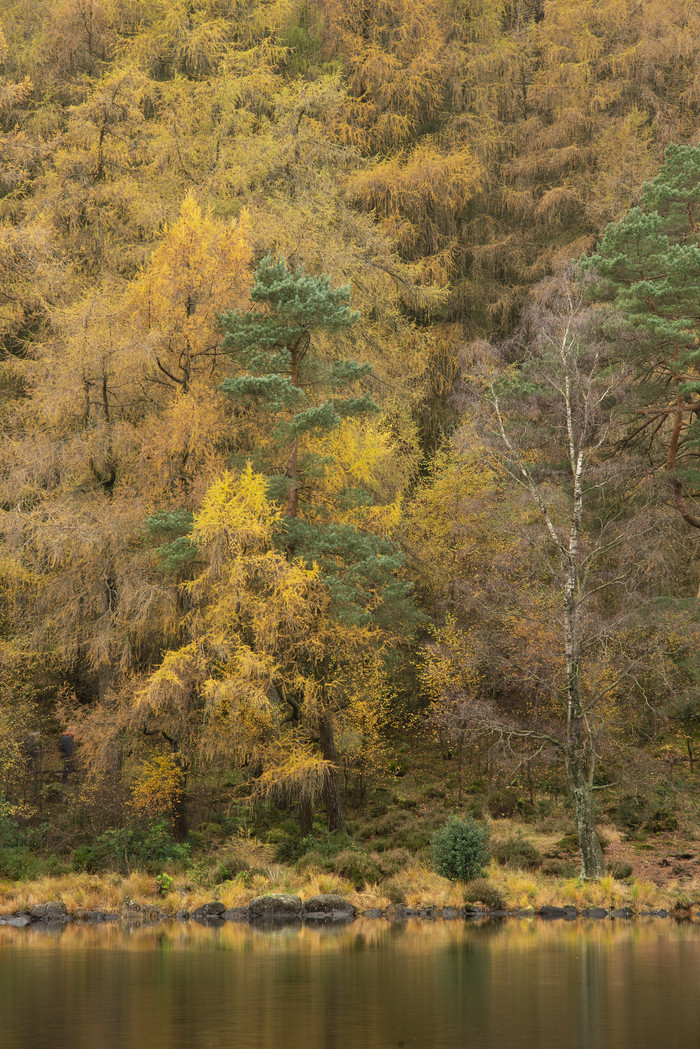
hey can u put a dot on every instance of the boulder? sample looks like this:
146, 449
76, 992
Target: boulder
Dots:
451, 913
236, 914
330, 904
374, 912
554, 913
91, 917
622, 912
18, 921
55, 911
276, 906
594, 912
208, 910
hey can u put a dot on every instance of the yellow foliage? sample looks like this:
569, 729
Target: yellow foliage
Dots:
158, 787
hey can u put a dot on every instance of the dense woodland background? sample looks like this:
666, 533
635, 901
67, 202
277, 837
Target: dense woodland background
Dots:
243, 585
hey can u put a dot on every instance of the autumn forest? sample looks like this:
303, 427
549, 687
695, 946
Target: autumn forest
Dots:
350, 439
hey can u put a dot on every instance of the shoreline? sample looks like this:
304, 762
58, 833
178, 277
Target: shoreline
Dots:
277, 909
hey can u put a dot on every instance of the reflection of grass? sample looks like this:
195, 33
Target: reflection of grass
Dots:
418, 938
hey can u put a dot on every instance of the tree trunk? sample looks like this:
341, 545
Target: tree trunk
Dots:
306, 817
580, 754
181, 825
592, 862
331, 790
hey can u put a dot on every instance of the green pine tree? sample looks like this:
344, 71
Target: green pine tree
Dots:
649, 268
290, 390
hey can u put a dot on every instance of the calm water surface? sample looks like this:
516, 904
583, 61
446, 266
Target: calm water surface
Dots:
515, 985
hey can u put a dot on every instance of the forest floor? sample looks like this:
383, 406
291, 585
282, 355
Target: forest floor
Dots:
651, 840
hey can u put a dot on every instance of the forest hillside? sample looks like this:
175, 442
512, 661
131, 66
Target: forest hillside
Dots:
350, 439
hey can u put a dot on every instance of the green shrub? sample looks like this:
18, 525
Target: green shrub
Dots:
505, 803
502, 803
629, 812
22, 864
517, 852
394, 860
357, 867
568, 844
460, 849
229, 866
124, 848
482, 891
394, 893
661, 821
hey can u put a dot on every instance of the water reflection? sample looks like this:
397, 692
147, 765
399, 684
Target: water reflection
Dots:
372, 985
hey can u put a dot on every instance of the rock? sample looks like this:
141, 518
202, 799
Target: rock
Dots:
525, 912
656, 914
208, 910
329, 903
554, 913
276, 906
17, 921
498, 913
595, 912
374, 912
450, 913
622, 912
236, 914
90, 917
50, 912
182, 916
212, 922
142, 913
330, 918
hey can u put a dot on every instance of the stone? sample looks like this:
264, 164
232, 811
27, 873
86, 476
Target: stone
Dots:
276, 906
182, 916
208, 910
622, 912
55, 911
17, 921
450, 913
595, 912
236, 914
554, 913
328, 903
374, 912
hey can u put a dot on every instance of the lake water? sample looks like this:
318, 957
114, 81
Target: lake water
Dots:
371, 985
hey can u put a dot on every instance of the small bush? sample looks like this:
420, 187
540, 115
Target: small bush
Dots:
568, 844
661, 821
460, 849
517, 852
629, 812
483, 892
394, 860
357, 867
394, 893
21, 864
502, 803
123, 848
229, 867
620, 870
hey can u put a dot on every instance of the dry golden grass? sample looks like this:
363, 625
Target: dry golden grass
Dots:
419, 885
